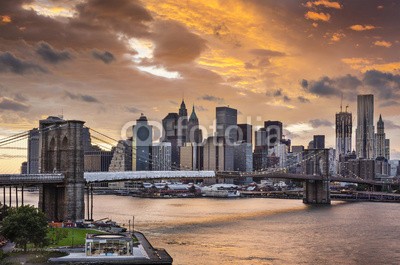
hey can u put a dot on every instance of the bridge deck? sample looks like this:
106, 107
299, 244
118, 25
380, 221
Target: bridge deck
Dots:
145, 175
26, 179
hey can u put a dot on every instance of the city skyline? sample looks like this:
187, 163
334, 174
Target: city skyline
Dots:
278, 61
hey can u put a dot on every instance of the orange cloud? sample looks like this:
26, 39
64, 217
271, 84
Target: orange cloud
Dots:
317, 16
324, 3
382, 43
362, 27
5, 19
337, 36
357, 63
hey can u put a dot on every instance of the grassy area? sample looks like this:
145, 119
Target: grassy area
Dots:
29, 257
69, 236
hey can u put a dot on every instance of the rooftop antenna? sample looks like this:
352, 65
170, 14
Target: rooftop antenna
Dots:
341, 103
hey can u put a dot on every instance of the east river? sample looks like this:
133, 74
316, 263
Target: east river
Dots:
260, 231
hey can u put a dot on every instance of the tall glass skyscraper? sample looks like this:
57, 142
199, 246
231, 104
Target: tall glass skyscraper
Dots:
365, 132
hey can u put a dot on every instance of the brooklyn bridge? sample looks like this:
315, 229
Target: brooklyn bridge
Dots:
62, 181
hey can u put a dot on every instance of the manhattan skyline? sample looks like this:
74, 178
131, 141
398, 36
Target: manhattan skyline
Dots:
289, 61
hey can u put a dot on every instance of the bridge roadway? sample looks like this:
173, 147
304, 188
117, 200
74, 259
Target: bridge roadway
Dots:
91, 177
300, 177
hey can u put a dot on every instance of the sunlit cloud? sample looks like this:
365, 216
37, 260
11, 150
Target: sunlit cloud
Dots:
160, 71
144, 49
5, 19
317, 16
382, 43
362, 27
299, 127
324, 3
49, 10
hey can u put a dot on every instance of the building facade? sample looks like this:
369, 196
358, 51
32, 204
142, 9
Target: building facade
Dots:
161, 156
226, 121
141, 144
365, 132
344, 130
32, 166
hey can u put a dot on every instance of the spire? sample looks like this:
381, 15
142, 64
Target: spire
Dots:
193, 116
380, 118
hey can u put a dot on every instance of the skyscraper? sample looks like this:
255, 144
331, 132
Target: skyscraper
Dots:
194, 134
170, 134
245, 133
319, 141
227, 123
274, 132
33, 152
380, 138
182, 124
365, 143
141, 144
343, 133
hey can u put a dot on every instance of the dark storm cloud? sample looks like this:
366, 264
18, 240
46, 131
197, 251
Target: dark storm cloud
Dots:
13, 105
50, 55
96, 25
320, 123
106, 57
304, 83
387, 84
127, 16
10, 63
303, 99
278, 93
322, 87
326, 87
175, 44
211, 98
81, 97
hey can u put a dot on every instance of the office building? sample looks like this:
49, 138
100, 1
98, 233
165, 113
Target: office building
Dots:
365, 143
244, 133
274, 131
191, 157
194, 133
226, 124
218, 155
182, 129
32, 166
122, 157
319, 142
141, 144
243, 157
97, 160
344, 127
161, 156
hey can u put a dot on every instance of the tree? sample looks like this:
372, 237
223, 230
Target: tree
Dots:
25, 225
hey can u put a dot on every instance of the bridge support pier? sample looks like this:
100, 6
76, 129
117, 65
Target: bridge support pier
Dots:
62, 152
316, 192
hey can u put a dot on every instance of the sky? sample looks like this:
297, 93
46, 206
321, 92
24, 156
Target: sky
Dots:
106, 62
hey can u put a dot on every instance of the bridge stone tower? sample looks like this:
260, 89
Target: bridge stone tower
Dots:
61, 151
316, 162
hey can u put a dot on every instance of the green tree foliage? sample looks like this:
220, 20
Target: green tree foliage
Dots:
26, 225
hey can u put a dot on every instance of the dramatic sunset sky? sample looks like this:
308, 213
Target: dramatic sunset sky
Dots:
105, 62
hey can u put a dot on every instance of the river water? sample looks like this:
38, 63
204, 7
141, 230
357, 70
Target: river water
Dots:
260, 231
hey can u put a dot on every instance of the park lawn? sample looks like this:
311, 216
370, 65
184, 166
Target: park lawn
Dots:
75, 237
